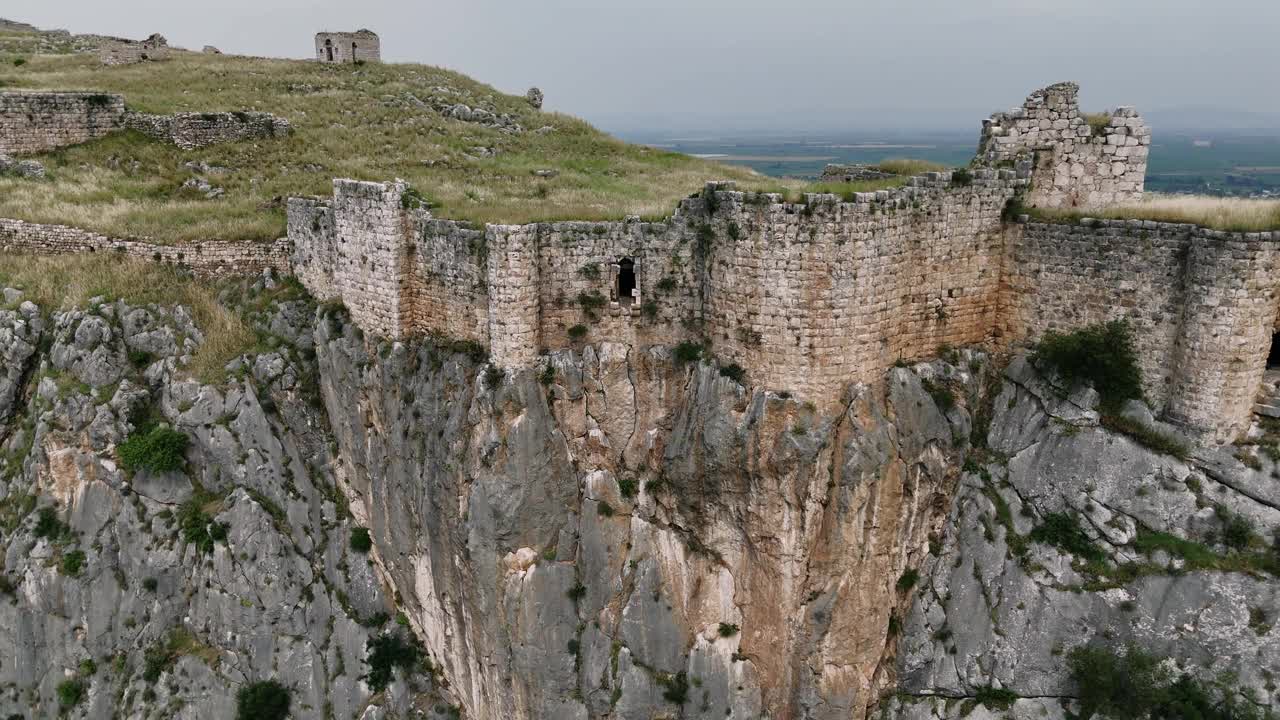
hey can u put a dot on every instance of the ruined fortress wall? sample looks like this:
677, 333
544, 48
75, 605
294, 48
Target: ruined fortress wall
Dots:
348, 47
315, 246
33, 122
580, 260
196, 130
370, 229
448, 277
1228, 320
512, 279
810, 298
1202, 305
1062, 277
1075, 163
209, 258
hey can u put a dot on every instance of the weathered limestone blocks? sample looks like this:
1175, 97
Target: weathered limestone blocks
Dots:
119, 51
191, 130
209, 257
348, 47
808, 297
34, 122
1202, 304
1078, 160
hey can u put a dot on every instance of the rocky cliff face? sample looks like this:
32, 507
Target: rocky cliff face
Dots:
616, 534
620, 535
150, 595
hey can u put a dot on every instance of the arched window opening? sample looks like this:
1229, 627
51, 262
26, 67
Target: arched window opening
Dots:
626, 281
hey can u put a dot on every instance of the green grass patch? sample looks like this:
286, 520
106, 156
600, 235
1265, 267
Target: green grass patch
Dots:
1147, 436
358, 121
1063, 531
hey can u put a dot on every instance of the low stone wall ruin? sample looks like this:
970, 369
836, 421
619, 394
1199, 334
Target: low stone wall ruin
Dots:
35, 122
190, 130
208, 258
40, 121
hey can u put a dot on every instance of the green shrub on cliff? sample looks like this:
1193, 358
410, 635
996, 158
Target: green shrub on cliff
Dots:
158, 449
262, 700
1101, 355
1136, 685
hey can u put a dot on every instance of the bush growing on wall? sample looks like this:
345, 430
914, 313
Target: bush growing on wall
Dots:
1101, 355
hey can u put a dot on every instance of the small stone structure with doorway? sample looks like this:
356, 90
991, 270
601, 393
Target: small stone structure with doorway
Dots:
348, 47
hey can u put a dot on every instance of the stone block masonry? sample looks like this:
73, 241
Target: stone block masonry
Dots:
1202, 304
808, 297
211, 258
1076, 160
35, 122
190, 130
348, 47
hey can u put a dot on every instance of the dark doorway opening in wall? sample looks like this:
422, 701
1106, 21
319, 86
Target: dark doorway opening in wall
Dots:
626, 280
353, 52
1273, 359
328, 50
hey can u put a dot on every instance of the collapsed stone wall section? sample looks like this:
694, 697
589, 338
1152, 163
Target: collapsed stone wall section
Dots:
1074, 160
39, 121
189, 130
210, 258
35, 122
120, 51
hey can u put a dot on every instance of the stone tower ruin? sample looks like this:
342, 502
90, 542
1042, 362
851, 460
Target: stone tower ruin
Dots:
348, 47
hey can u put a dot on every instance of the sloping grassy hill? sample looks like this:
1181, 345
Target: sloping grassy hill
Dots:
371, 122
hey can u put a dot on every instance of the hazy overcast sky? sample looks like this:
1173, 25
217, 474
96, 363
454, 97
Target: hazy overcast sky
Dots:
798, 64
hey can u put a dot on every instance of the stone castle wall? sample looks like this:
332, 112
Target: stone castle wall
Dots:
208, 258
1075, 163
119, 51
1202, 305
806, 297
34, 122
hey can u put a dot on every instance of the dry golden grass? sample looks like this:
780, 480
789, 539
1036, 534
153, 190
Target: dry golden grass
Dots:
349, 121
1218, 213
909, 166
69, 281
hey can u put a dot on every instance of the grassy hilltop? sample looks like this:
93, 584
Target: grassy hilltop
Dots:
367, 122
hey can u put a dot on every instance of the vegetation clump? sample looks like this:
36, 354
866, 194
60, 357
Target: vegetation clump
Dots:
687, 352
385, 653
1101, 355
70, 692
361, 541
1063, 531
199, 528
157, 449
262, 700
1136, 685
